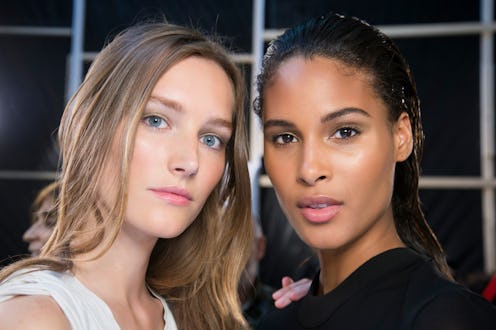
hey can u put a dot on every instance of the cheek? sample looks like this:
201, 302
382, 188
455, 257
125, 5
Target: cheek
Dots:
144, 153
213, 170
45, 233
147, 161
278, 167
372, 175
281, 171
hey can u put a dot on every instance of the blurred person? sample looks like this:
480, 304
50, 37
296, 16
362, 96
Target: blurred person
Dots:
255, 296
44, 215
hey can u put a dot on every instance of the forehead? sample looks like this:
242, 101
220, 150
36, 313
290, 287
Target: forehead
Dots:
319, 83
194, 81
319, 69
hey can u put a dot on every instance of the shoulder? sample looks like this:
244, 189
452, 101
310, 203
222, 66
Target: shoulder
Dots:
456, 308
33, 282
434, 302
32, 312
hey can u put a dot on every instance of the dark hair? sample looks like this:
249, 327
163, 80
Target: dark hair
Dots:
359, 45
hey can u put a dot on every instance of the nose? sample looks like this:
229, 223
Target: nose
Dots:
31, 233
184, 159
313, 166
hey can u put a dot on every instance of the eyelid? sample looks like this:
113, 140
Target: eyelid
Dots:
275, 136
220, 139
220, 132
357, 131
147, 116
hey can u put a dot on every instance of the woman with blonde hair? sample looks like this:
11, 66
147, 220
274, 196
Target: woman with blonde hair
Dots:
154, 204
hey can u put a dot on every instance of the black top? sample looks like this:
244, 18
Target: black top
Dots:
394, 290
258, 303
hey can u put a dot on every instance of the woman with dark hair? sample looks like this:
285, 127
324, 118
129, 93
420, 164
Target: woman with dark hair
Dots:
343, 141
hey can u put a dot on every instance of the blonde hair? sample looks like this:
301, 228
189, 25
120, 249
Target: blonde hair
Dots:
199, 270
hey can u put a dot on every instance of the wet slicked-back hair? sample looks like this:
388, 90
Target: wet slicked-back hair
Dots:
199, 270
357, 44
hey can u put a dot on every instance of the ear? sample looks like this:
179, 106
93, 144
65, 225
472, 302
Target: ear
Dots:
403, 138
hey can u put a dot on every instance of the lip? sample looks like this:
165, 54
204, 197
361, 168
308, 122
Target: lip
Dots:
173, 195
319, 209
34, 250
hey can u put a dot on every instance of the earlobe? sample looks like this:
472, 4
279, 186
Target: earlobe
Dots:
403, 137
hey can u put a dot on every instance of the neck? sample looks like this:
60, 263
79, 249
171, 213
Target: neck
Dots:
120, 272
336, 265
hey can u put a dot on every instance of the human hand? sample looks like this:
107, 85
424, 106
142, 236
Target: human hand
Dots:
290, 291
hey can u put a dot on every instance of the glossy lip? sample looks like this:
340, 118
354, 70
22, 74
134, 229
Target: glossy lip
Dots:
173, 195
319, 209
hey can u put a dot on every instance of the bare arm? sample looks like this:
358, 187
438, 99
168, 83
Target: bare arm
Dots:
291, 291
32, 312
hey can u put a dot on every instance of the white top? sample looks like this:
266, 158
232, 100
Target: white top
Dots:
83, 308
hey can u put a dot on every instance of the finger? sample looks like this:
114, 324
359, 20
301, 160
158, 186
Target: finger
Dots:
286, 281
281, 292
286, 287
300, 290
283, 302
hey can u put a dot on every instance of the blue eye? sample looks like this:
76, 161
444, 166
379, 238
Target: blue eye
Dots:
212, 141
155, 121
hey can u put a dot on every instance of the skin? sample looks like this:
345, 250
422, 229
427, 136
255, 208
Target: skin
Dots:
40, 230
177, 145
330, 152
291, 291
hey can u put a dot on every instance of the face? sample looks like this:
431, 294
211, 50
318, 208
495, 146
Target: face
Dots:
330, 152
179, 151
41, 229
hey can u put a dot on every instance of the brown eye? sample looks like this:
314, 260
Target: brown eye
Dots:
345, 133
284, 138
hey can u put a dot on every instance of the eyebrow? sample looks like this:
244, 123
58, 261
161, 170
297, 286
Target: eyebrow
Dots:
178, 108
343, 112
220, 122
167, 103
326, 118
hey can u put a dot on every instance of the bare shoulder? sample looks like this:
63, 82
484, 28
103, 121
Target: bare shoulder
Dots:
32, 312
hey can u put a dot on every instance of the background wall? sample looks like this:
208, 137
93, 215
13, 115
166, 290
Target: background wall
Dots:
33, 76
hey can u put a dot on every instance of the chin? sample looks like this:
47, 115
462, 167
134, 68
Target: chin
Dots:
172, 232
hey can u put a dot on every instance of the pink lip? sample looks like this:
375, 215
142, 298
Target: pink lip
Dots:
319, 209
173, 195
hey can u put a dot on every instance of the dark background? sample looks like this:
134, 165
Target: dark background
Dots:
32, 95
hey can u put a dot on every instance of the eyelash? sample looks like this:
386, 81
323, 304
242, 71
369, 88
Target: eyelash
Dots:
290, 138
277, 137
219, 141
354, 131
147, 122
